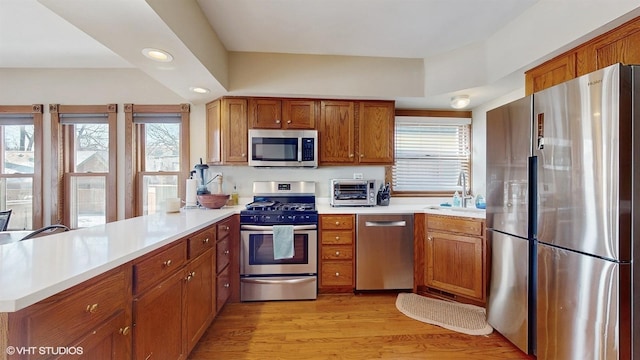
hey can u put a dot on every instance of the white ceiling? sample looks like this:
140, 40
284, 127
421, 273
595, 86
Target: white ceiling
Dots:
110, 34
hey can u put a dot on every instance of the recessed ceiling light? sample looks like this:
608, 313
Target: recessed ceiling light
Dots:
199, 90
460, 101
157, 54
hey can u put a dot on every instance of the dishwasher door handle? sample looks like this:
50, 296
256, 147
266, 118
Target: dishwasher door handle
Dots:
385, 223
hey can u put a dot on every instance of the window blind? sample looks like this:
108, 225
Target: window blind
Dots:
430, 153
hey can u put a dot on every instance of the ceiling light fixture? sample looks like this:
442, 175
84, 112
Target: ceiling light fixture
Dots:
157, 55
199, 90
460, 101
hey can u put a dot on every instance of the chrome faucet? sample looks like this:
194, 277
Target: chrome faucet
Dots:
462, 181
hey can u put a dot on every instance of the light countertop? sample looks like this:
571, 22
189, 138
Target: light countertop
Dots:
35, 269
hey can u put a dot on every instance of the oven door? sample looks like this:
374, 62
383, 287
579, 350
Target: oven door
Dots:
257, 257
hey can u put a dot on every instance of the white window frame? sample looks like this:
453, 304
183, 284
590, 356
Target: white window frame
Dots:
420, 155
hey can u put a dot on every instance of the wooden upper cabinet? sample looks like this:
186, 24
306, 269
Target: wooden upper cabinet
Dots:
227, 131
553, 72
620, 45
282, 114
376, 121
336, 132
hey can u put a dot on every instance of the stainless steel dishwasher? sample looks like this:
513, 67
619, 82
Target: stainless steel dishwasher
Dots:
384, 252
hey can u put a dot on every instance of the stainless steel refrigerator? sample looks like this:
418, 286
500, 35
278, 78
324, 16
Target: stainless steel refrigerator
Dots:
510, 307
583, 218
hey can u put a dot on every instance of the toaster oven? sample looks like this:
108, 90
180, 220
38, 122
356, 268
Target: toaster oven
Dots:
352, 192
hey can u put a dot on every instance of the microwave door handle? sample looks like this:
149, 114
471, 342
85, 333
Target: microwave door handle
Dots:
299, 149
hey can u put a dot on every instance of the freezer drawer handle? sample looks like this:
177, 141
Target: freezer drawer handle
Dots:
281, 281
385, 223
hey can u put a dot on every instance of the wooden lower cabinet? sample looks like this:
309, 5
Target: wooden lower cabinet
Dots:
451, 255
200, 295
336, 260
92, 319
157, 306
158, 320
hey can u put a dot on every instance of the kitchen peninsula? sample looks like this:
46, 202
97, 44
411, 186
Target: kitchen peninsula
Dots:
92, 285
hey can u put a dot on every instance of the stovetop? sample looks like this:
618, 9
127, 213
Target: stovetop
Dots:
280, 210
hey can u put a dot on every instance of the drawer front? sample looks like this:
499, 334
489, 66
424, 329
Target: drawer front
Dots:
224, 228
155, 267
337, 236
336, 221
201, 242
337, 252
223, 289
453, 224
337, 273
223, 253
79, 313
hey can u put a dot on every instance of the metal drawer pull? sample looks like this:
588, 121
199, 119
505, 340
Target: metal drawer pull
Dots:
226, 252
206, 241
92, 308
167, 263
337, 274
337, 253
337, 237
385, 223
337, 222
124, 331
226, 285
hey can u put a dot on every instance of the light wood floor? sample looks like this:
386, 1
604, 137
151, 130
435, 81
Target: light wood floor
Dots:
363, 326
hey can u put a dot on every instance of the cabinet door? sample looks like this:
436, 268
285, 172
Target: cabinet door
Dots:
265, 113
214, 134
158, 320
336, 132
200, 294
111, 340
299, 114
551, 73
454, 264
376, 121
234, 130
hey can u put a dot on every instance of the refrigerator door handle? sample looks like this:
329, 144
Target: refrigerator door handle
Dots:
540, 131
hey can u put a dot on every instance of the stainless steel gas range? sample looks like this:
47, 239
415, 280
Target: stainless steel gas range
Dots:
282, 215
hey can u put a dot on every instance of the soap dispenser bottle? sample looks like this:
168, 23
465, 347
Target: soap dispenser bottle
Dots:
456, 199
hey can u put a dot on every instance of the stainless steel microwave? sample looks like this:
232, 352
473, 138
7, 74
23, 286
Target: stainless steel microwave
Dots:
283, 148
352, 192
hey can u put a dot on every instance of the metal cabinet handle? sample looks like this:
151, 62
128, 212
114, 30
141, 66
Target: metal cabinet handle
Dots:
430, 238
167, 263
361, 155
337, 237
337, 274
337, 253
124, 331
92, 308
226, 285
288, 121
205, 241
337, 223
226, 252
277, 121
350, 155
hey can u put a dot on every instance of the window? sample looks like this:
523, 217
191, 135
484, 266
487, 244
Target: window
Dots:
87, 171
160, 138
21, 171
430, 153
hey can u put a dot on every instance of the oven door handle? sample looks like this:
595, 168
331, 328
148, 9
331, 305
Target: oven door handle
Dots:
270, 228
278, 281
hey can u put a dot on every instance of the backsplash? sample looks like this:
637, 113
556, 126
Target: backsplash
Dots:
244, 176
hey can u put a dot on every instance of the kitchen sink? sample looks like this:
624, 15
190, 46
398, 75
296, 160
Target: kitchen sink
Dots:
469, 211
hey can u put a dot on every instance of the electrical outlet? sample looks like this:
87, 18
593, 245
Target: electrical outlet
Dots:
357, 176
